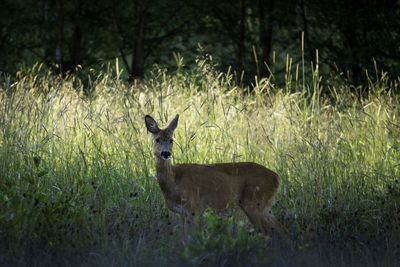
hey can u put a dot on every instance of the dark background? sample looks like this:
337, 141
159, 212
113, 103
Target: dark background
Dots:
69, 35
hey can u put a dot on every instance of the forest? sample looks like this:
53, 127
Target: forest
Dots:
309, 89
256, 37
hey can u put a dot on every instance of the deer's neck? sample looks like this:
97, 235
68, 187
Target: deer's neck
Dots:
165, 174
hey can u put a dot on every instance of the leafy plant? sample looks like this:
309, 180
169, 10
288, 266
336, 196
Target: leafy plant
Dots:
223, 242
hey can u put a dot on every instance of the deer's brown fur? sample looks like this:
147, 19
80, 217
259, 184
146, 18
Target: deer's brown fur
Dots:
188, 189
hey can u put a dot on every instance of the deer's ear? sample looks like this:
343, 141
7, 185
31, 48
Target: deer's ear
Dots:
151, 124
174, 123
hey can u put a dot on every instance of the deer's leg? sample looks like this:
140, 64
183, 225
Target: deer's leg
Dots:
271, 224
255, 205
265, 222
252, 207
188, 218
254, 217
275, 228
185, 234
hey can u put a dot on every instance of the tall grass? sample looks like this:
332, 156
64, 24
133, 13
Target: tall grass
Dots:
77, 173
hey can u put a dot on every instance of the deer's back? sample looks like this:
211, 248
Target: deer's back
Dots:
225, 180
248, 170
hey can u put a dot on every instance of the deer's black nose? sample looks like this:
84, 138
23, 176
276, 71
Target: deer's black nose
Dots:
165, 155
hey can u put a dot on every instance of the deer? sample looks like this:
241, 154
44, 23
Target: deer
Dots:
189, 189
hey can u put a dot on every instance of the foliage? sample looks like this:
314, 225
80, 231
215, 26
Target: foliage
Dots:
77, 175
225, 243
242, 35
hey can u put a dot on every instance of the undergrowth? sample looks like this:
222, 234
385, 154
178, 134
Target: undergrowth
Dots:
77, 173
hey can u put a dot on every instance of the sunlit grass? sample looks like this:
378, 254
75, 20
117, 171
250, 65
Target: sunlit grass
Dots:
77, 173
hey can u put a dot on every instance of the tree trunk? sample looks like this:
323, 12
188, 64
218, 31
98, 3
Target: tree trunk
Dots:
265, 29
60, 35
304, 20
76, 38
242, 33
138, 46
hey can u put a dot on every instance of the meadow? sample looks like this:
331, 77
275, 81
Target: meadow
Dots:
77, 176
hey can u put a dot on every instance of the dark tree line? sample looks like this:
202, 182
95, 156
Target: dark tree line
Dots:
66, 34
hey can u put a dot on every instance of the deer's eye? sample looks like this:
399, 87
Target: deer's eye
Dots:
171, 141
158, 140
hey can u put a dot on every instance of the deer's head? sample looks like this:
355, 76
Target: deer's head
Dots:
162, 137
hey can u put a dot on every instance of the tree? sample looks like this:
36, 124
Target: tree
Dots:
68, 34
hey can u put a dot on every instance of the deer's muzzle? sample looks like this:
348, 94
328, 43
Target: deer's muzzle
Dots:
165, 155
